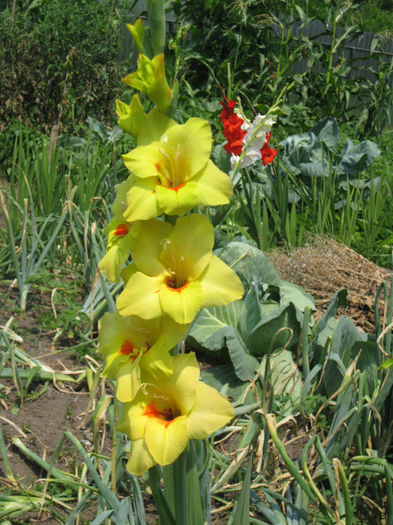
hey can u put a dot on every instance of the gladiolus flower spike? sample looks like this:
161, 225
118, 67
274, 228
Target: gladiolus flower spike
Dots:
169, 270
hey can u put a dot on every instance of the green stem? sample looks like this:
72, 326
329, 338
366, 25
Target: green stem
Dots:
156, 15
116, 409
331, 53
179, 474
292, 468
304, 342
345, 490
155, 474
267, 400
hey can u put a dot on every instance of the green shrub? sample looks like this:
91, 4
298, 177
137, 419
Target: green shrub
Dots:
56, 48
374, 16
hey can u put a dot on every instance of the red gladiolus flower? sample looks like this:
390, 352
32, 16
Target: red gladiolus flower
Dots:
232, 127
268, 154
228, 106
235, 131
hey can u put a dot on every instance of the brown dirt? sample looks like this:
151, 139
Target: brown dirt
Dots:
323, 266
40, 423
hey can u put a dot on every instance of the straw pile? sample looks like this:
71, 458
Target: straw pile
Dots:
323, 266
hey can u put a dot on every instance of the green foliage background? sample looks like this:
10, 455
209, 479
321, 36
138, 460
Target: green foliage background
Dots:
45, 43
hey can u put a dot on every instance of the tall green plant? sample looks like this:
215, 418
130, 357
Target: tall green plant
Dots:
37, 173
32, 245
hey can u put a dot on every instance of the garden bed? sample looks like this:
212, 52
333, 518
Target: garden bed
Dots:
40, 419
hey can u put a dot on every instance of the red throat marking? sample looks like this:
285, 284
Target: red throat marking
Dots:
121, 230
165, 417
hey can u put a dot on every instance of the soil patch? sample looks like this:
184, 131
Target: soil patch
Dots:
38, 418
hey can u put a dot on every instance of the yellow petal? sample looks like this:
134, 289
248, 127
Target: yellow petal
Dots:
146, 249
178, 200
156, 125
112, 261
141, 296
117, 230
182, 385
171, 333
140, 458
180, 154
166, 440
189, 145
114, 330
128, 271
128, 380
157, 362
214, 186
120, 203
133, 421
220, 284
132, 118
189, 246
210, 412
141, 201
144, 161
182, 304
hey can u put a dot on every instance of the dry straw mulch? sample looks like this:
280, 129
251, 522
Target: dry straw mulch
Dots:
323, 266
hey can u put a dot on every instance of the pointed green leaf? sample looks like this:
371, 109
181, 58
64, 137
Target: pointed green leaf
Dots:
241, 512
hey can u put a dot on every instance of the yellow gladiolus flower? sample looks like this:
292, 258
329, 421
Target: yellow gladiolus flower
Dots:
168, 412
174, 174
131, 345
150, 79
174, 271
119, 232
